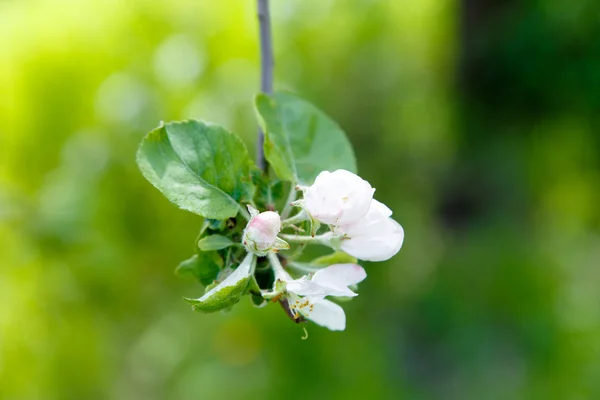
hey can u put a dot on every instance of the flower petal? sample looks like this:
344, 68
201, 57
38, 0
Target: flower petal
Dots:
306, 287
378, 207
377, 246
340, 275
375, 237
338, 197
328, 314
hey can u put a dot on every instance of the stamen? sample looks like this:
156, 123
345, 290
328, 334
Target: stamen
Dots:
276, 298
305, 334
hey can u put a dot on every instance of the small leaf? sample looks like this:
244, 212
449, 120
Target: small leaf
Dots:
338, 257
301, 140
203, 267
202, 168
214, 242
228, 292
217, 224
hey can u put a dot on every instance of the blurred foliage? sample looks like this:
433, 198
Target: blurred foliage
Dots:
484, 141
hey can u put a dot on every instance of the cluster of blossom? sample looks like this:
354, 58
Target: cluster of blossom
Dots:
358, 225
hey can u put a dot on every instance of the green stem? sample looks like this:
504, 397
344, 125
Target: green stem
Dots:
287, 208
253, 265
320, 239
302, 267
228, 257
300, 217
280, 273
244, 213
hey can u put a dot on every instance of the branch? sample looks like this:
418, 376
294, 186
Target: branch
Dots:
266, 67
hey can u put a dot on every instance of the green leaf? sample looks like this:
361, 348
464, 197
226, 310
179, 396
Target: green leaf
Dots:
202, 168
203, 266
217, 224
228, 292
301, 141
253, 287
271, 194
214, 242
255, 294
338, 257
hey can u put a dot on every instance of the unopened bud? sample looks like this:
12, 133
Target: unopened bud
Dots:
260, 235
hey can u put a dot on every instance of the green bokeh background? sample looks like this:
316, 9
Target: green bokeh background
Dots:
477, 122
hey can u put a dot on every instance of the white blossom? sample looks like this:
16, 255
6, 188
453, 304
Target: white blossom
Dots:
306, 296
375, 237
338, 197
260, 235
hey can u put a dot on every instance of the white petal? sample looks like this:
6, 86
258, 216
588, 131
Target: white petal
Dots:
321, 200
369, 223
306, 287
375, 237
328, 314
340, 275
378, 207
381, 241
338, 197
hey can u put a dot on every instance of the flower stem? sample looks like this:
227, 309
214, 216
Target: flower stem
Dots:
320, 239
287, 208
267, 63
280, 273
244, 213
253, 265
300, 217
303, 267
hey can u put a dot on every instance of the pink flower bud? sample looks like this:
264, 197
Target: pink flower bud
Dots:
260, 235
